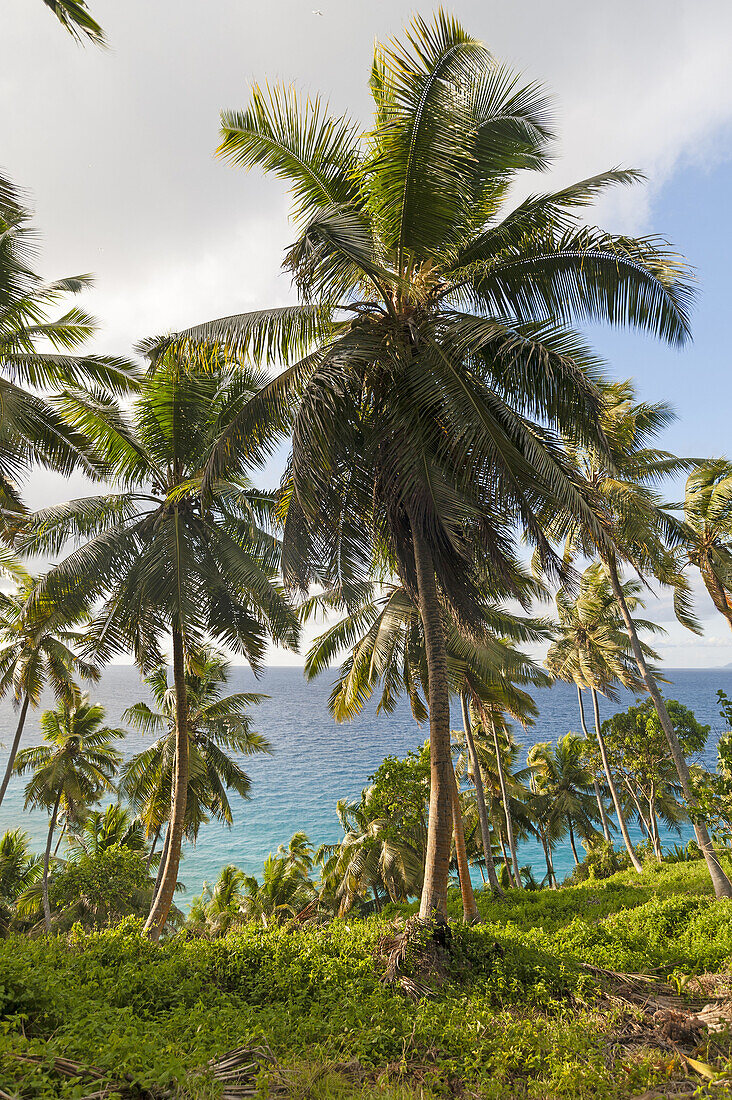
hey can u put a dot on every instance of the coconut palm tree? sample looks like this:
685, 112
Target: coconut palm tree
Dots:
38, 354
637, 528
218, 725
218, 909
166, 557
20, 869
592, 650
373, 856
564, 778
71, 770
387, 649
39, 648
114, 827
283, 892
708, 529
429, 361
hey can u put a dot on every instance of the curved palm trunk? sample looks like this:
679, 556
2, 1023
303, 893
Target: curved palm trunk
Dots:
506, 857
470, 909
722, 885
46, 865
163, 898
151, 853
14, 747
613, 789
572, 843
506, 804
433, 904
549, 861
485, 829
595, 784
655, 838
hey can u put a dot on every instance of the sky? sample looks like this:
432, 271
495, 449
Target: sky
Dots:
116, 151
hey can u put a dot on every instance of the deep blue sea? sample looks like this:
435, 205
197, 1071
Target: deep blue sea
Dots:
316, 762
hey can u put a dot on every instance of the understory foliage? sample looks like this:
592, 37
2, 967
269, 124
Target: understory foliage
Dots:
515, 1013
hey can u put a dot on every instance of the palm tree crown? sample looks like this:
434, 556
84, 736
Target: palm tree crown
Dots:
218, 725
430, 365
708, 529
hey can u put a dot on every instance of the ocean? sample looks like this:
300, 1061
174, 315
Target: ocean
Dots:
317, 761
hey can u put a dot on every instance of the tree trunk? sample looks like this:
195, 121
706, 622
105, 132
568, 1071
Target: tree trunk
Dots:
163, 898
46, 865
595, 784
506, 859
485, 829
722, 885
644, 826
572, 843
655, 838
14, 747
58, 842
506, 803
613, 789
153, 846
433, 904
549, 861
470, 909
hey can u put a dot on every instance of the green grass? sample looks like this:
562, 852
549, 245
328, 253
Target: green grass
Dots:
519, 1020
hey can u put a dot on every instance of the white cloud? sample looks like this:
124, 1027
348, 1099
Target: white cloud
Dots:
117, 147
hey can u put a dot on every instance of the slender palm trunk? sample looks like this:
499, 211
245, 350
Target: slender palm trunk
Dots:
163, 857
470, 909
643, 824
14, 747
164, 895
153, 846
572, 843
506, 803
653, 819
60, 838
722, 885
485, 829
549, 861
433, 904
613, 789
47, 864
595, 784
506, 858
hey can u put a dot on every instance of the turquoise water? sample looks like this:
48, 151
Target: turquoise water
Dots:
316, 761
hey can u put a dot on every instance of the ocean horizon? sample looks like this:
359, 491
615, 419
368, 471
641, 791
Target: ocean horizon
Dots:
316, 761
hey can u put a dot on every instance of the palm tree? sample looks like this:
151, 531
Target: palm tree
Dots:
216, 910
166, 556
388, 648
708, 529
429, 361
565, 779
496, 754
372, 856
36, 428
217, 725
283, 892
20, 869
38, 649
71, 770
75, 17
592, 650
114, 827
637, 527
